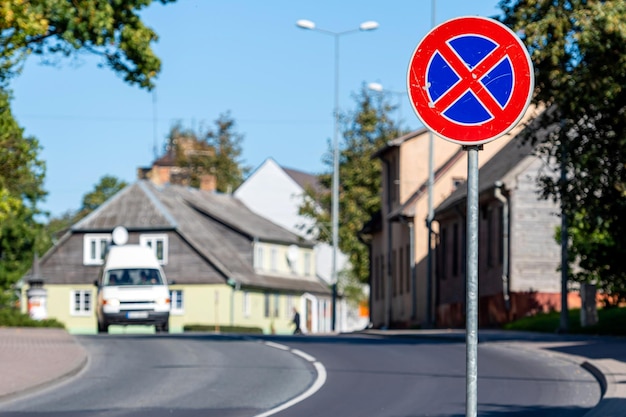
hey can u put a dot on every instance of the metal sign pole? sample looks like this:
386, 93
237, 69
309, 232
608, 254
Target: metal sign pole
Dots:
471, 296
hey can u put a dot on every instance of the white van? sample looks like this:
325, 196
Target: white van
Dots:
132, 289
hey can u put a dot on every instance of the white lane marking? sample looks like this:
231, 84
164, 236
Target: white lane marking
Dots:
306, 356
276, 345
319, 381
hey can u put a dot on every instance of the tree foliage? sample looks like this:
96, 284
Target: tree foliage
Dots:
578, 48
103, 190
215, 152
21, 188
364, 131
110, 29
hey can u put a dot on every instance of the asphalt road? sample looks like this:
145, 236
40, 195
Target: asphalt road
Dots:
206, 376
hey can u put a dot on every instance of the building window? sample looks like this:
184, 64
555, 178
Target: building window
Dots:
158, 243
258, 259
401, 270
266, 306
276, 305
455, 249
273, 259
177, 302
246, 304
444, 255
490, 232
80, 303
289, 305
407, 265
397, 284
307, 264
95, 248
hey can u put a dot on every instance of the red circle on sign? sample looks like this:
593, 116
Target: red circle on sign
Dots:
431, 109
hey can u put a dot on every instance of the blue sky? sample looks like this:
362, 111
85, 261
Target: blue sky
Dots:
245, 57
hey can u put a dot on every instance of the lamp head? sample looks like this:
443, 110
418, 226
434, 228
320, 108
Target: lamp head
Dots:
369, 25
305, 24
375, 87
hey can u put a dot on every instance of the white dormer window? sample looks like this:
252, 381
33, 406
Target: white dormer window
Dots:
95, 248
159, 245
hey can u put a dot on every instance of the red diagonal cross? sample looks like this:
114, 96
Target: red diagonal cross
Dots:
470, 80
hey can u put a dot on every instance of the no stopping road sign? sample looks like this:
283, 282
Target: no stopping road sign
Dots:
470, 80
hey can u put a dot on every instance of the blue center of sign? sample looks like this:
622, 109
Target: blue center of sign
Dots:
467, 108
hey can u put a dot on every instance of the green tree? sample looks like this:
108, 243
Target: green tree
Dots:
105, 189
578, 48
216, 152
110, 29
21, 188
227, 158
364, 131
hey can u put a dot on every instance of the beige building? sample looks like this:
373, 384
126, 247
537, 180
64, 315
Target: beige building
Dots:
402, 282
226, 265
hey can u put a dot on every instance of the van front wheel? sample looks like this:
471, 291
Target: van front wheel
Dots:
163, 327
103, 328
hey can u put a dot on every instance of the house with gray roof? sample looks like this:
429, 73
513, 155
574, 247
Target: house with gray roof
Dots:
226, 264
518, 257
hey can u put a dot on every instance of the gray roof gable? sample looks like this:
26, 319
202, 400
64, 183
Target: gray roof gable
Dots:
135, 207
233, 213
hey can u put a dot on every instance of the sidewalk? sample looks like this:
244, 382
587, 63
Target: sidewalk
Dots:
31, 358
604, 357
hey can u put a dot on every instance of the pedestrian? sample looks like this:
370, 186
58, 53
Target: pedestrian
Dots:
296, 322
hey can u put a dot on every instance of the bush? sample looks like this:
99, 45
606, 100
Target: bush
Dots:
10, 317
222, 329
611, 322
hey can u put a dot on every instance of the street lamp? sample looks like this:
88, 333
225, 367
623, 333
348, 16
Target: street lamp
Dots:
401, 94
365, 26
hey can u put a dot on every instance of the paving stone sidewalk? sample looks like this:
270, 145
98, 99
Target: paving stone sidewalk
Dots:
31, 358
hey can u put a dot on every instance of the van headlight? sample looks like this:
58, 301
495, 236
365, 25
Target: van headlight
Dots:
113, 302
162, 301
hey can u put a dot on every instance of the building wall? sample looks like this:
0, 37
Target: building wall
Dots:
203, 304
534, 255
413, 172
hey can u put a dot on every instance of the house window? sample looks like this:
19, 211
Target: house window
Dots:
401, 270
289, 305
407, 265
307, 264
80, 303
397, 287
276, 305
490, 232
455, 249
444, 255
266, 306
246, 304
258, 259
95, 248
158, 243
274, 259
177, 303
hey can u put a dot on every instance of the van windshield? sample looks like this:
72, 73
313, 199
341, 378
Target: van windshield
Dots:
133, 276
